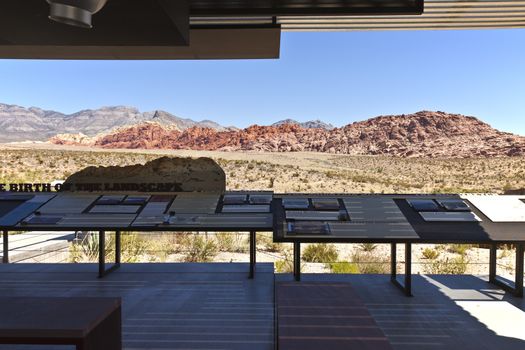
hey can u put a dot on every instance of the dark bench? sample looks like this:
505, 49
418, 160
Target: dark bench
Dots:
87, 323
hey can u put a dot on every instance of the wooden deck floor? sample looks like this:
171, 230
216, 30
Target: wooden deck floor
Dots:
165, 306
216, 306
447, 312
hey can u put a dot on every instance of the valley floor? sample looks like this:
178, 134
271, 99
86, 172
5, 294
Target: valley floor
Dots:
283, 172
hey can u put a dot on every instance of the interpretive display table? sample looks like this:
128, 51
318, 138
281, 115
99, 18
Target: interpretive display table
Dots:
167, 212
296, 218
406, 219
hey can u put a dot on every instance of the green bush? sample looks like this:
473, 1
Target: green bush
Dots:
343, 267
430, 254
320, 252
284, 266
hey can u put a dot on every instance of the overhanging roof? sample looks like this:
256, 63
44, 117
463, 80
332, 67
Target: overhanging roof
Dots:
437, 15
222, 29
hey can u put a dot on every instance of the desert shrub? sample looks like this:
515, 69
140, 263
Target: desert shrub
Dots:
284, 266
343, 267
200, 249
265, 240
160, 246
369, 262
132, 246
231, 242
225, 242
320, 252
448, 266
430, 254
367, 247
504, 252
85, 249
460, 249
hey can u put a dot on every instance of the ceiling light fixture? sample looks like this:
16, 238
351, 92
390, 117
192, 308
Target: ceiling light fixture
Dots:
74, 12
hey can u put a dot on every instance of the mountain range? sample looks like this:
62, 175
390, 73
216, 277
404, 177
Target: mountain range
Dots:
36, 124
422, 134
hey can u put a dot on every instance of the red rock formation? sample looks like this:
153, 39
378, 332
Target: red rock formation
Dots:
423, 134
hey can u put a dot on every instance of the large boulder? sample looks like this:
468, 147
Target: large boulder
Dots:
166, 174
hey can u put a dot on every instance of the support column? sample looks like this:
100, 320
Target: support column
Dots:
5, 238
297, 260
253, 252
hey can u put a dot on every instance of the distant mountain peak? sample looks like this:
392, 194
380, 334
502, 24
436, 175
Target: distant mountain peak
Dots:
312, 124
35, 124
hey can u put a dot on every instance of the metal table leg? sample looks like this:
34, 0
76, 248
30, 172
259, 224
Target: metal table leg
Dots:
517, 288
101, 253
5, 238
102, 271
406, 286
518, 282
393, 262
117, 248
492, 262
297, 260
253, 252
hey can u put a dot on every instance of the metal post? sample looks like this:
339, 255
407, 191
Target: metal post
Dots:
492, 262
518, 284
5, 237
408, 269
297, 260
393, 261
101, 253
253, 252
117, 247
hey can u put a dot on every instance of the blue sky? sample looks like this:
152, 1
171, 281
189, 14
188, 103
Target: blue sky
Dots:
336, 77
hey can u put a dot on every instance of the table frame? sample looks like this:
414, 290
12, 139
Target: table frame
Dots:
405, 286
515, 288
103, 271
